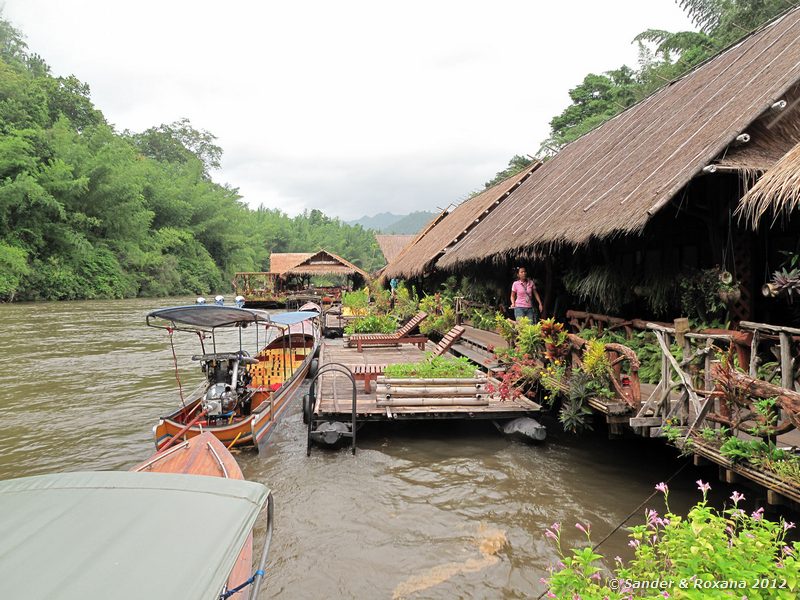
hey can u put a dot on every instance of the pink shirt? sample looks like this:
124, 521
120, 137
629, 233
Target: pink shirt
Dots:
524, 293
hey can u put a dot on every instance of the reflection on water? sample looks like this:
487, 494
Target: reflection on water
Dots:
441, 510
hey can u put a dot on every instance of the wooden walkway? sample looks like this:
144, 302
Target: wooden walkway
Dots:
334, 391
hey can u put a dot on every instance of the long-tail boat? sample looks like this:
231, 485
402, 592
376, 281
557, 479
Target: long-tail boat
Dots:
206, 455
128, 535
242, 396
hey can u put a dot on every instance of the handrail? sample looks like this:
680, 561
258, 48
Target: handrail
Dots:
344, 370
259, 574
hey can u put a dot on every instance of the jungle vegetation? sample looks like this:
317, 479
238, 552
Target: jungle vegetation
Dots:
87, 211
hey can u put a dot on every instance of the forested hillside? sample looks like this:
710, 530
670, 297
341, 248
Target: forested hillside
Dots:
89, 212
387, 222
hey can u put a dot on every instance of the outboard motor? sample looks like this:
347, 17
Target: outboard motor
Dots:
219, 300
239, 301
219, 400
229, 380
200, 300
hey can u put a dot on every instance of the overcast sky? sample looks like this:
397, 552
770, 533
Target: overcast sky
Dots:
351, 107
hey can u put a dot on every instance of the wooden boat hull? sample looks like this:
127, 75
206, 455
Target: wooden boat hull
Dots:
205, 455
252, 429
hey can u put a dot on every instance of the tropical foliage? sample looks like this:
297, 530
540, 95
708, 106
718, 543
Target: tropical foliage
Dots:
372, 324
690, 556
90, 212
663, 56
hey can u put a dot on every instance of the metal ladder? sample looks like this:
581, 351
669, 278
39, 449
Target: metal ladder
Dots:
340, 369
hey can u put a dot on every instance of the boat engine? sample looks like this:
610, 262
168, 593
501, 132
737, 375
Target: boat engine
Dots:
228, 381
219, 399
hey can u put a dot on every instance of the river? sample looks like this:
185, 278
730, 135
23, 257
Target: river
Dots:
446, 510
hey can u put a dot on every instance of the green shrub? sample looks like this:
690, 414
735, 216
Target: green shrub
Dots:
433, 366
356, 300
372, 324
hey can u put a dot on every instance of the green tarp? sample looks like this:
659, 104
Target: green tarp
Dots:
123, 535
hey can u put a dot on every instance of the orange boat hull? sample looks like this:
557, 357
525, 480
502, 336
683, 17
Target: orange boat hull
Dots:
204, 454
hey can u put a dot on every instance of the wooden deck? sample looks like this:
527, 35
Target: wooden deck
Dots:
334, 392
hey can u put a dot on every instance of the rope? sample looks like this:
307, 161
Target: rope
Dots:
633, 512
175, 363
230, 593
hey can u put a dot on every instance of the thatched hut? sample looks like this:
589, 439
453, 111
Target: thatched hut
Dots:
308, 264
651, 195
418, 257
393, 244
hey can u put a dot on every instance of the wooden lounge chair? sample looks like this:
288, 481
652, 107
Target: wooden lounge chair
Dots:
401, 336
369, 373
450, 338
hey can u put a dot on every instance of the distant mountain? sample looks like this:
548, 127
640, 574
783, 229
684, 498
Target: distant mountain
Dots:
391, 223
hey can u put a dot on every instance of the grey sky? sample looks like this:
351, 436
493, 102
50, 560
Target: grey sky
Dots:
351, 107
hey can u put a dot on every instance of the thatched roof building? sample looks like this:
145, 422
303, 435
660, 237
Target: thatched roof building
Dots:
418, 257
281, 262
312, 263
392, 245
777, 193
615, 179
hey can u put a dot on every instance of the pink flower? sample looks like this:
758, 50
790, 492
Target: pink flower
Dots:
651, 516
665, 593
758, 515
595, 577
736, 496
555, 526
788, 526
618, 559
551, 535
703, 487
582, 528
634, 543
543, 580
662, 487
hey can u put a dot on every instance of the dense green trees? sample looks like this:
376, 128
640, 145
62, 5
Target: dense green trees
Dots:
87, 212
663, 56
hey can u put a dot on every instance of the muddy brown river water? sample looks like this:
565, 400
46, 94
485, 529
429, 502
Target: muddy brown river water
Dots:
445, 510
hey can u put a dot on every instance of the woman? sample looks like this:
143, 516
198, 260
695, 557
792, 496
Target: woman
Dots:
523, 292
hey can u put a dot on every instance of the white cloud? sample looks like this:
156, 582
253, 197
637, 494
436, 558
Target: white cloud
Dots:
351, 107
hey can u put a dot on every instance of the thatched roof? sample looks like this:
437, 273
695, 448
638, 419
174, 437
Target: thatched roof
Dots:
772, 135
420, 255
316, 263
280, 262
615, 178
392, 245
776, 193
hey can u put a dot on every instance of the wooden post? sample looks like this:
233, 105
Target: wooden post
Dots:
681, 328
787, 371
666, 374
754, 354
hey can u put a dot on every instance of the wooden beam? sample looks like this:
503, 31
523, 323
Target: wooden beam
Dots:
787, 369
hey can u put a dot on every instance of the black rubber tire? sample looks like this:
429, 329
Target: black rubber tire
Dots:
307, 408
313, 368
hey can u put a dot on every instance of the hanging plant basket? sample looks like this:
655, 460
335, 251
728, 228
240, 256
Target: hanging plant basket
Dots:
730, 296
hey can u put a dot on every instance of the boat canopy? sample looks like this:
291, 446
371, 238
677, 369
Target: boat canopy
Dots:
291, 318
123, 535
209, 316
